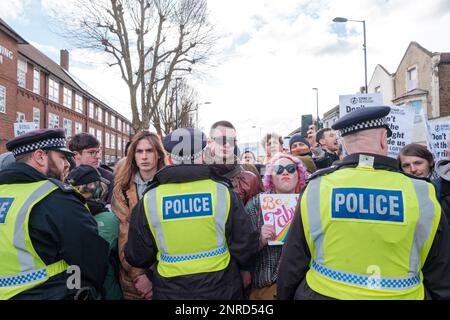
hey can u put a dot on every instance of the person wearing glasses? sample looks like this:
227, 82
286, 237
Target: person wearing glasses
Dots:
285, 174
363, 229
87, 150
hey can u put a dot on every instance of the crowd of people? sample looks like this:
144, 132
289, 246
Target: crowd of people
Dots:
179, 217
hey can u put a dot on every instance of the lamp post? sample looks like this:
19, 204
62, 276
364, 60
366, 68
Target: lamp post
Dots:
340, 19
257, 144
176, 102
196, 112
317, 107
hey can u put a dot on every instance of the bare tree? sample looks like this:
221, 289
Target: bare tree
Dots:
150, 41
187, 101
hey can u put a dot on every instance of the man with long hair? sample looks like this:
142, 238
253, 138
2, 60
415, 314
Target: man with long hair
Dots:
145, 157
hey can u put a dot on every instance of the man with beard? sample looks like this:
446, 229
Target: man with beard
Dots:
300, 148
49, 242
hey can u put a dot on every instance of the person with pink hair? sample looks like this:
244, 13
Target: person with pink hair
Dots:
285, 174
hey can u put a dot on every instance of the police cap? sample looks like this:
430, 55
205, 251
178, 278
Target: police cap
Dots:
185, 144
43, 139
363, 119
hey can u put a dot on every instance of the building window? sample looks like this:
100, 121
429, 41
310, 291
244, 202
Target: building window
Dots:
92, 131
107, 158
78, 103
113, 159
113, 121
106, 118
119, 125
53, 90
113, 141
68, 97
100, 114
2, 99
36, 81
107, 140
22, 73
378, 89
20, 117
37, 117
119, 143
91, 110
78, 127
53, 120
99, 136
411, 79
67, 123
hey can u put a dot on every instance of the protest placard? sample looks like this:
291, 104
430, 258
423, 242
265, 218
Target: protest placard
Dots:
24, 127
348, 103
278, 210
401, 122
439, 133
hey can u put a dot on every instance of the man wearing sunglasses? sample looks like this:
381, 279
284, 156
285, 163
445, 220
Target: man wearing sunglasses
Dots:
88, 151
364, 230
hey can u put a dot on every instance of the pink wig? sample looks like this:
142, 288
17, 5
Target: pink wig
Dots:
301, 172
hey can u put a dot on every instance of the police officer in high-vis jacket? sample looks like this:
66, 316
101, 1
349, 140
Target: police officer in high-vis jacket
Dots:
192, 225
362, 229
49, 243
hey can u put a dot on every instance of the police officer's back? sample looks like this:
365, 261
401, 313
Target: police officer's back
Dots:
44, 226
363, 230
193, 225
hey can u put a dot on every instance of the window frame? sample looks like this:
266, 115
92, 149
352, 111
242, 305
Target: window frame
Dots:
52, 90
3, 95
36, 88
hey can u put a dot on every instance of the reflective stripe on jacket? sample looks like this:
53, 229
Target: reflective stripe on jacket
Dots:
21, 268
188, 223
369, 232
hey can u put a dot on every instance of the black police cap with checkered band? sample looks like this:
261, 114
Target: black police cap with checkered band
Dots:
43, 139
363, 119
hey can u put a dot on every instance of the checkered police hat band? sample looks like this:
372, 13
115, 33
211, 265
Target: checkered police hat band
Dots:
374, 123
43, 144
186, 158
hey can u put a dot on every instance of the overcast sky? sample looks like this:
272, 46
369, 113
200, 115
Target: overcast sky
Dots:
272, 53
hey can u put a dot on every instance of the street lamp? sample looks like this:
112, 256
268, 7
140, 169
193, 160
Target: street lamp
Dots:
340, 19
176, 102
196, 111
257, 144
317, 107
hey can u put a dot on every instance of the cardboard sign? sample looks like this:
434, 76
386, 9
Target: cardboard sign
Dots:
439, 132
278, 210
24, 127
348, 103
401, 122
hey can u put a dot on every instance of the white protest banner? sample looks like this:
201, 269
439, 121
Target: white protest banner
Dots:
348, 103
439, 132
278, 210
24, 127
401, 122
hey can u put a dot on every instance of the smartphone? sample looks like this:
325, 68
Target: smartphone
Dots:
307, 120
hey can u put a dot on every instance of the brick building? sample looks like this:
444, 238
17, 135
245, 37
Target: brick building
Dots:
33, 88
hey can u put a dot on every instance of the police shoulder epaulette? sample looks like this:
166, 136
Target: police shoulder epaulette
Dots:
151, 185
220, 179
65, 187
323, 171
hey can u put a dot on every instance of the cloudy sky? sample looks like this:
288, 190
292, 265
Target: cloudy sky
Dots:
272, 53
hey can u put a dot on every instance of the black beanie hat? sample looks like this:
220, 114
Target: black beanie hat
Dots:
298, 138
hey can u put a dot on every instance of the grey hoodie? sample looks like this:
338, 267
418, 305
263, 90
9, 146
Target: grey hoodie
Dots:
442, 169
6, 159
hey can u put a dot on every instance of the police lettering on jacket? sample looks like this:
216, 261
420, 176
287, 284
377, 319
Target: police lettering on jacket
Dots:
367, 204
187, 206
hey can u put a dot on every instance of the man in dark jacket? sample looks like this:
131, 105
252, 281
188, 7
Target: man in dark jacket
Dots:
337, 247
62, 232
87, 150
198, 256
326, 151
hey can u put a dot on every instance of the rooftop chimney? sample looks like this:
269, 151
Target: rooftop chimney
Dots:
64, 59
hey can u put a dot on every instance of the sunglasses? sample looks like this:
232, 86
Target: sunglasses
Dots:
223, 140
279, 169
